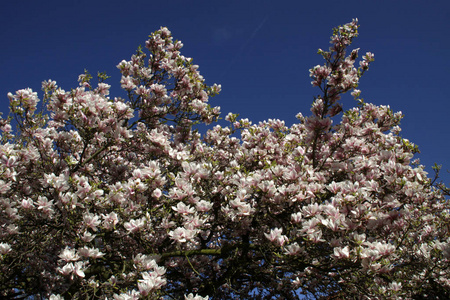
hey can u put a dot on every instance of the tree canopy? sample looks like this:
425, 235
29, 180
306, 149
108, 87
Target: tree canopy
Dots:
116, 198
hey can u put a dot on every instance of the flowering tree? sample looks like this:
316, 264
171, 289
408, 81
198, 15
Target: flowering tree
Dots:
105, 197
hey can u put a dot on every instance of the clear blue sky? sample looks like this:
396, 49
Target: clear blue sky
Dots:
260, 51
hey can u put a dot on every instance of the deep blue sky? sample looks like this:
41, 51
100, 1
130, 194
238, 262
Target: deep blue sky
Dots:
260, 51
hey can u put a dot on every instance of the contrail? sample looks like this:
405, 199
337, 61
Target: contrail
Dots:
244, 45
258, 28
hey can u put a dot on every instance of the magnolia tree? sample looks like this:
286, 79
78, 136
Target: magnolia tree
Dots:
117, 198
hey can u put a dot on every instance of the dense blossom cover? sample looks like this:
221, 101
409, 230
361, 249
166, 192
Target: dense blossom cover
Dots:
104, 197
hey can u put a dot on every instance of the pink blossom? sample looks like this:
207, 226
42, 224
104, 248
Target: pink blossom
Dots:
126, 184
73, 269
134, 226
275, 236
92, 221
87, 237
195, 297
127, 83
341, 253
145, 262
157, 193
294, 249
204, 206
67, 269
45, 205
90, 252
4, 248
110, 220
69, 255
27, 203
395, 286
130, 295
183, 209
182, 235
150, 281
25, 97
78, 269
297, 217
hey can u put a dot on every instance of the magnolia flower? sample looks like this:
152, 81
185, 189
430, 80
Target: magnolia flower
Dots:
297, 217
110, 220
359, 238
69, 255
294, 249
66, 270
196, 297
311, 210
182, 235
150, 281
91, 221
395, 286
12, 229
73, 268
78, 269
90, 252
88, 237
130, 295
45, 205
204, 206
145, 262
157, 193
134, 225
183, 209
25, 97
331, 223
341, 253
4, 248
127, 83
245, 210
276, 237
145, 286
27, 203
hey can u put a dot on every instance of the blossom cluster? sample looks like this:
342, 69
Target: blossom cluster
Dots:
125, 199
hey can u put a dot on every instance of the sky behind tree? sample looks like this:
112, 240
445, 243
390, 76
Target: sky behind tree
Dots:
259, 51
